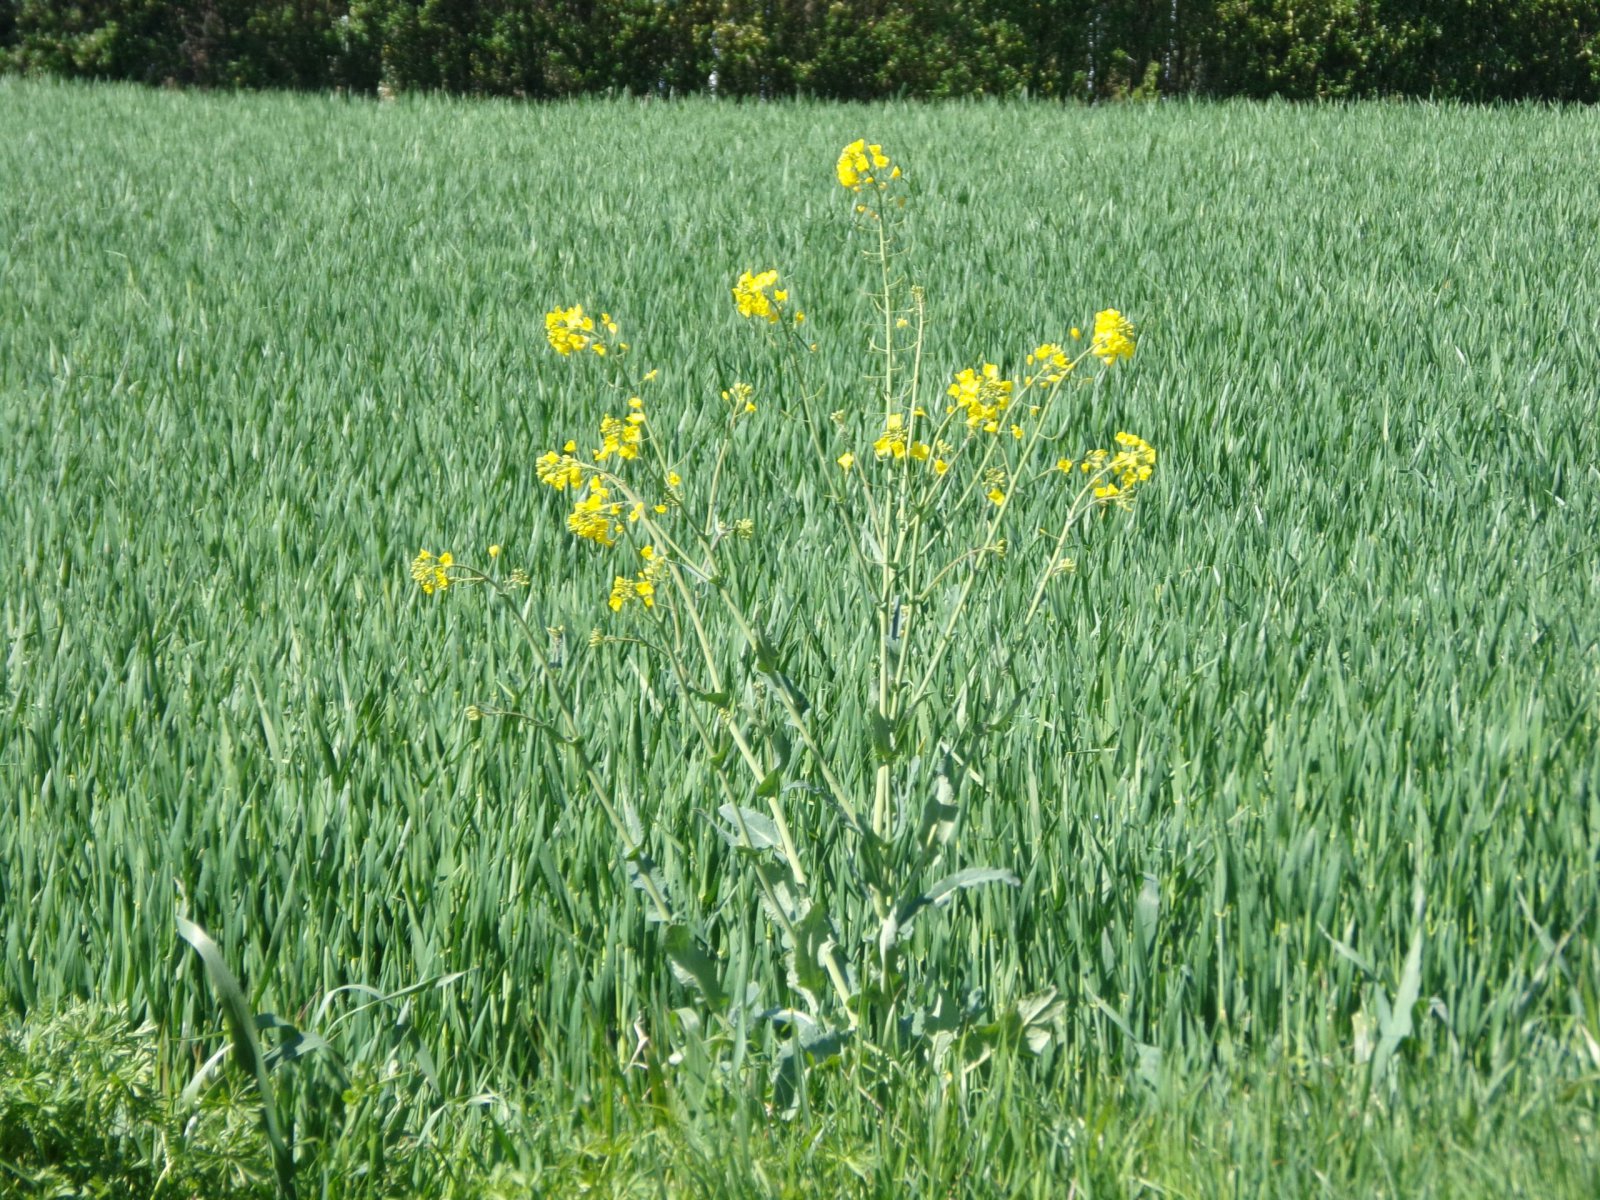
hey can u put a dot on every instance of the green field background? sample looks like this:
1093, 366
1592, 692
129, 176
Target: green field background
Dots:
1331, 691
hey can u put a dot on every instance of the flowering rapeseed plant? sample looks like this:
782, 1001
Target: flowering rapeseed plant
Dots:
937, 501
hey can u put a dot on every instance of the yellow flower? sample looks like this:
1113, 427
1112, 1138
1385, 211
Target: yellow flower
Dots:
621, 438
594, 516
494, 551
642, 587
892, 441
759, 295
1118, 475
559, 471
569, 330
739, 396
1134, 463
857, 163
847, 460
432, 573
1052, 361
982, 396
996, 496
1113, 337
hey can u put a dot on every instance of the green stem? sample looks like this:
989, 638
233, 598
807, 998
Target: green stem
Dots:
574, 741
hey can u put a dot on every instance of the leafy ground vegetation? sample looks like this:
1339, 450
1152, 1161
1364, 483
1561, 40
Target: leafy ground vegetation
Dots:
1273, 823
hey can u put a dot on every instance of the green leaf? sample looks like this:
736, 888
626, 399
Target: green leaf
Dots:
779, 890
295, 1044
246, 1048
939, 814
810, 1045
1147, 913
1394, 1019
758, 832
1037, 1015
693, 967
814, 936
641, 872
882, 737
1352, 955
800, 701
941, 892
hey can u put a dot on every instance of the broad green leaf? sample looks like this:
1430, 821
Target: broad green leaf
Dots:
947, 887
758, 831
693, 967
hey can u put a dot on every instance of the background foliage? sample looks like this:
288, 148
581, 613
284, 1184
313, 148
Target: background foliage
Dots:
843, 49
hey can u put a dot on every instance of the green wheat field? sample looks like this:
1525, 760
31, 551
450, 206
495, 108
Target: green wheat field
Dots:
1300, 780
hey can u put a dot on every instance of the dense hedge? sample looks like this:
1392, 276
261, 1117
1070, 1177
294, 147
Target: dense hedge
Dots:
851, 49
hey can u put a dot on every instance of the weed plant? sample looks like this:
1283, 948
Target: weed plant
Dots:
921, 534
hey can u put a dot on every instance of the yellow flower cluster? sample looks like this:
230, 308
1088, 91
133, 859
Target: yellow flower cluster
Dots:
1052, 363
760, 296
622, 436
740, 398
858, 163
983, 396
894, 442
560, 471
595, 516
1113, 337
570, 330
432, 574
642, 587
1133, 464
996, 480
